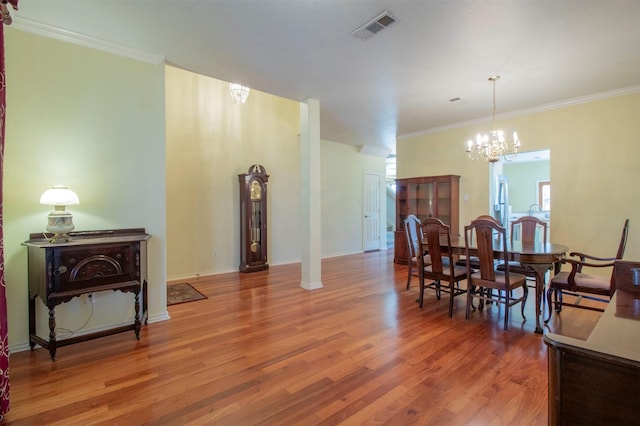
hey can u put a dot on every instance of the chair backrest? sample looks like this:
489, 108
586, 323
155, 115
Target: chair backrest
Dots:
411, 224
623, 240
488, 235
528, 226
482, 217
432, 230
488, 217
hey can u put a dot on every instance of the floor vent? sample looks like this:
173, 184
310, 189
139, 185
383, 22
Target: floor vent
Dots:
374, 26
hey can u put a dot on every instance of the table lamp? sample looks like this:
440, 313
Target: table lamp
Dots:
60, 221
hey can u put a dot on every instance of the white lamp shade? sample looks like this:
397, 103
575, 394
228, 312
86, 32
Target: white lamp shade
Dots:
59, 196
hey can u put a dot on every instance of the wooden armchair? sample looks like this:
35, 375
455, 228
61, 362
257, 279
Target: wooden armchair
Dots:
489, 235
582, 285
442, 266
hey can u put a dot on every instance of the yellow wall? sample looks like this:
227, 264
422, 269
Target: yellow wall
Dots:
594, 169
96, 120
210, 140
343, 170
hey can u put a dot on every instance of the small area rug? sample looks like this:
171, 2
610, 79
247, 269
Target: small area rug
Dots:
182, 293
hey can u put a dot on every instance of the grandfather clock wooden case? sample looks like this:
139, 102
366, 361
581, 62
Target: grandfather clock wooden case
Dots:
253, 219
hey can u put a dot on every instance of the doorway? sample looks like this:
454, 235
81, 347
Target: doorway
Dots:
528, 184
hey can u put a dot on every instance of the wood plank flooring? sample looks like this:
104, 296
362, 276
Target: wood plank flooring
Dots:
262, 351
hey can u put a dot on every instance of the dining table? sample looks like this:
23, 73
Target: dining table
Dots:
538, 257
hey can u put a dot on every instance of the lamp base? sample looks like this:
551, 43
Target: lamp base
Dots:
59, 224
60, 238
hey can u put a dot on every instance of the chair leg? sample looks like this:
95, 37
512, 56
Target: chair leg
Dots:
525, 290
451, 290
559, 300
469, 292
410, 274
507, 297
549, 291
472, 289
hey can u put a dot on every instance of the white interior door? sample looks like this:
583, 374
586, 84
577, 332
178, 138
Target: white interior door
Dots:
371, 209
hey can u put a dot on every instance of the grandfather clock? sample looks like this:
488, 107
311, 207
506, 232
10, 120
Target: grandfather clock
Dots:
253, 219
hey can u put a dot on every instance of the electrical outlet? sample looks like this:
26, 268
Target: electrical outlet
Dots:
91, 298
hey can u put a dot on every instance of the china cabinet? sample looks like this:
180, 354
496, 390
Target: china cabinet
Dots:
427, 196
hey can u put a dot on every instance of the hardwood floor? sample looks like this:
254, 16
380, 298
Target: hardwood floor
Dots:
261, 350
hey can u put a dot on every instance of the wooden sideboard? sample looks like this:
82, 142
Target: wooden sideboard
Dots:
92, 261
597, 381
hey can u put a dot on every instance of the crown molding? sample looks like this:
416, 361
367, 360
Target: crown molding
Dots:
86, 41
540, 108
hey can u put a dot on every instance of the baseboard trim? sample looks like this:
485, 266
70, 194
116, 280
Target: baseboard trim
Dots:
311, 286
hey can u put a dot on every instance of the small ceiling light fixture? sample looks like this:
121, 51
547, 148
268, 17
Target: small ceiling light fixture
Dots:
60, 221
491, 146
239, 93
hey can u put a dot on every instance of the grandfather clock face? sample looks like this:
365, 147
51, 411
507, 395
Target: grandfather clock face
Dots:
255, 217
255, 193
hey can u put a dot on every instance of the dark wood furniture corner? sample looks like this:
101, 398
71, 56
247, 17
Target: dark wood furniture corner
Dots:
92, 261
597, 381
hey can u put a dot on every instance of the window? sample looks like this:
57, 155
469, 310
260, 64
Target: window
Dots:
544, 195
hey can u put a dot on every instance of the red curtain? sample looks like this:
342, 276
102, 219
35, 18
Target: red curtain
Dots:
4, 332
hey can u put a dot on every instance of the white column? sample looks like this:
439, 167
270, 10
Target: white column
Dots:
310, 194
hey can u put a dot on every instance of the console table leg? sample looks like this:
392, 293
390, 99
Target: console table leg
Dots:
52, 333
32, 320
137, 323
145, 303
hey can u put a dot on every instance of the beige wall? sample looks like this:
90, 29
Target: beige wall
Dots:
210, 140
595, 148
96, 120
343, 170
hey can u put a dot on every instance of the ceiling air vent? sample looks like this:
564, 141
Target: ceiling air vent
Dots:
374, 26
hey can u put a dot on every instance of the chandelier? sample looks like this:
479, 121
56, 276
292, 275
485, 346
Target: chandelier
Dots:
491, 146
239, 93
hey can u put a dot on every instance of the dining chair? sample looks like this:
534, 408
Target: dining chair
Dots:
442, 267
411, 224
582, 285
526, 227
474, 259
487, 237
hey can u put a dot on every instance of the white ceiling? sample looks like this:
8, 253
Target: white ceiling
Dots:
397, 83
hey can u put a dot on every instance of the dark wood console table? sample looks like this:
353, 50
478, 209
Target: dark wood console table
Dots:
92, 261
597, 381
